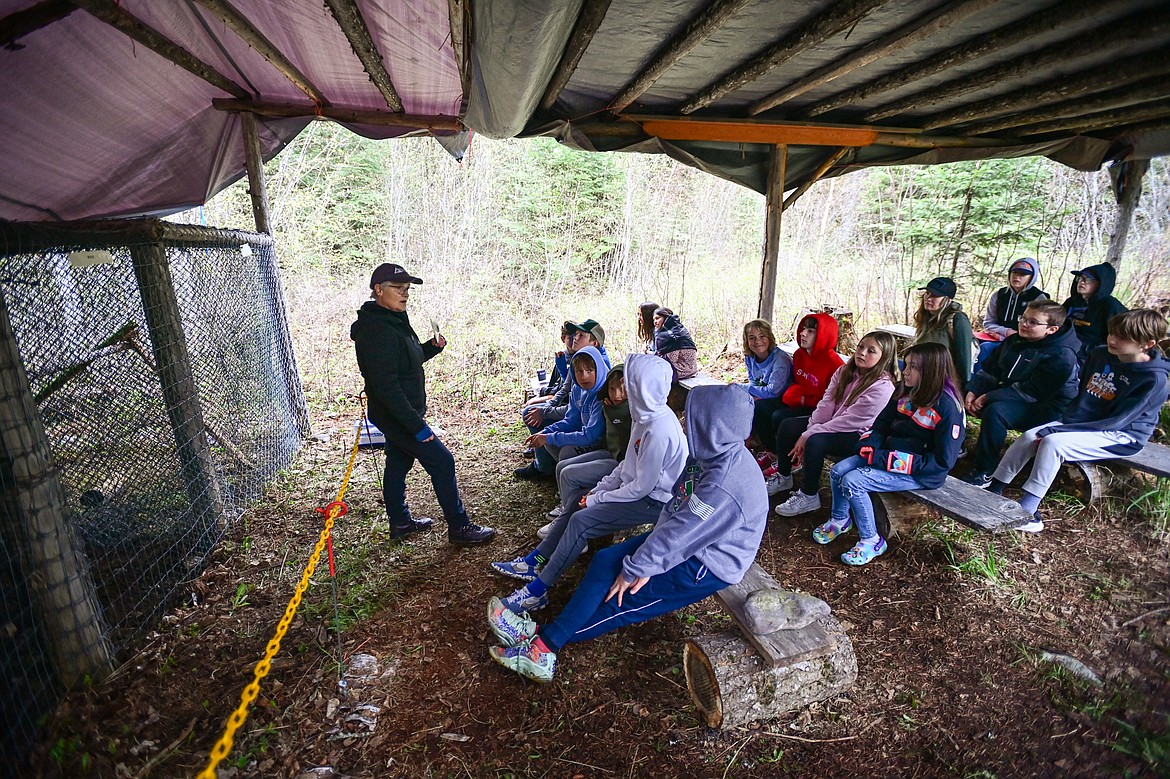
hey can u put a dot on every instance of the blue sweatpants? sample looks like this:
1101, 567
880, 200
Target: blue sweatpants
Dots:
588, 615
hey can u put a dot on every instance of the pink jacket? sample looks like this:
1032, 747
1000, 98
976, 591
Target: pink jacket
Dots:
858, 416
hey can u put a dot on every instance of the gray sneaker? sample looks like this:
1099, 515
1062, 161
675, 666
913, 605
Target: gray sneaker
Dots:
799, 503
777, 483
543, 531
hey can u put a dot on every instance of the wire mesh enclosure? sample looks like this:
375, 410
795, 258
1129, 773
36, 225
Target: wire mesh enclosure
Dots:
149, 393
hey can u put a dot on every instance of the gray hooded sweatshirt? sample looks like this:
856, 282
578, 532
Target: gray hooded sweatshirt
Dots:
721, 511
657, 450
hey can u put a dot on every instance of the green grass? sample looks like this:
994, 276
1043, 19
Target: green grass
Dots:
967, 558
1155, 505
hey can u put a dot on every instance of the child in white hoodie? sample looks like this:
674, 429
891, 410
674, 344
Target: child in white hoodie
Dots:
633, 494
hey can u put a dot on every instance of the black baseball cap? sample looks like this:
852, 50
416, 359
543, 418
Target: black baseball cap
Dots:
941, 285
395, 274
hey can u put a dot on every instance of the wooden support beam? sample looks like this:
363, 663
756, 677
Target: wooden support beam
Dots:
817, 175
1127, 187
34, 524
1065, 87
1109, 39
697, 30
254, 164
588, 20
774, 208
1044, 21
20, 23
1133, 94
1105, 120
840, 16
239, 24
459, 17
919, 29
341, 114
796, 133
112, 14
353, 24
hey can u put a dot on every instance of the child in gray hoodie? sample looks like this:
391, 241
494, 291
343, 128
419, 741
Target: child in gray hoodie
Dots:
705, 539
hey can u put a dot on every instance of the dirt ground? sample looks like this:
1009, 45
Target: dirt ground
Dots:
949, 629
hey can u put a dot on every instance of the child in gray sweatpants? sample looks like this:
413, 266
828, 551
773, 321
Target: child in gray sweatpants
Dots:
1123, 387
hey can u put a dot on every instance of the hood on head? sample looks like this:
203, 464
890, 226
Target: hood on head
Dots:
719, 419
648, 378
1033, 265
1104, 272
602, 368
827, 332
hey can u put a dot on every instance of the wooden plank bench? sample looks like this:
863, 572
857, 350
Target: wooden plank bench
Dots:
1153, 459
965, 503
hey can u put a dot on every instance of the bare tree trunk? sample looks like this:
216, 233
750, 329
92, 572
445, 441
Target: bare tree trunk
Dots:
1127, 188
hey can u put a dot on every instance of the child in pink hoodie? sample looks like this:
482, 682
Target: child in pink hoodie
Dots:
856, 394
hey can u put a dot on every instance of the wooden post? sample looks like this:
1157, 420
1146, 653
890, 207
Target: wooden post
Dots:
1127, 187
254, 162
775, 207
34, 518
180, 392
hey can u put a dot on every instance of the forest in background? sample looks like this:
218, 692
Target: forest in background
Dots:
521, 235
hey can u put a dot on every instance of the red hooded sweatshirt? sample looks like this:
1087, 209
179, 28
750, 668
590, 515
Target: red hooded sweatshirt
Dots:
811, 371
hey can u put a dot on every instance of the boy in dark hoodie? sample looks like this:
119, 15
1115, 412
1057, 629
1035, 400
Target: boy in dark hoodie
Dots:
1091, 306
1007, 305
1028, 381
706, 538
1123, 387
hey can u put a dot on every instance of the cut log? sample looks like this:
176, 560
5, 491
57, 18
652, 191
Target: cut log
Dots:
731, 684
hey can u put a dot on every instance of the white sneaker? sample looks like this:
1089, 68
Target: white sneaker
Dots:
1035, 526
543, 531
555, 512
777, 483
799, 503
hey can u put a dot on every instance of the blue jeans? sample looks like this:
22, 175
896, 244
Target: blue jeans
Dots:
401, 453
588, 615
851, 481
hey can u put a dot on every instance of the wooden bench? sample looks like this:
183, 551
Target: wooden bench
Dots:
965, 503
902, 333
1153, 459
676, 401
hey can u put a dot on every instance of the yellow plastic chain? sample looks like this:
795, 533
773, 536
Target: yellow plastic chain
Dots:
223, 747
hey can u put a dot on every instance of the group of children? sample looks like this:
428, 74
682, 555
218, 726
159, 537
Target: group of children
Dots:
621, 460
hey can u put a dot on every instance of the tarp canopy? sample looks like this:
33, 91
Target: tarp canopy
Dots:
131, 107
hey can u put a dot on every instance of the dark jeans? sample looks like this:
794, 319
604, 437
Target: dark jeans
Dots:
1000, 417
401, 453
779, 417
816, 448
762, 420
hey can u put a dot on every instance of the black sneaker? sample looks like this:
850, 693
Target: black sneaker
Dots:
470, 534
529, 453
531, 473
415, 526
979, 479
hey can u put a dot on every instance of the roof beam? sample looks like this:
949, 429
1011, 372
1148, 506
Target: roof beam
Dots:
19, 24
816, 176
797, 133
1094, 79
1118, 36
588, 20
837, 18
697, 30
239, 24
1133, 94
1105, 120
341, 114
353, 24
919, 29
980, 46
112, 14
459, 17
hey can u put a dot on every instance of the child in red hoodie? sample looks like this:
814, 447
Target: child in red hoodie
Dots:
813, 366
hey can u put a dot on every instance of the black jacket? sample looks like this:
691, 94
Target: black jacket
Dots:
1091, 317
1043, 371
390, 358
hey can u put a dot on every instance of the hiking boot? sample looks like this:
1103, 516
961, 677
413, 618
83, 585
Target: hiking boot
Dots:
825, 533
517, 569
777, 483
543, 531
522, 601
864, 550
980, 479
799, 503
531, 473
1035, 526
527, 659
416, 526
510, 628
470, 534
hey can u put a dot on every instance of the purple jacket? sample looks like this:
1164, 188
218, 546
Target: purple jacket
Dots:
858, 416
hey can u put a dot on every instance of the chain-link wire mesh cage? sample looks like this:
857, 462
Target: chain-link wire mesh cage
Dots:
149, 394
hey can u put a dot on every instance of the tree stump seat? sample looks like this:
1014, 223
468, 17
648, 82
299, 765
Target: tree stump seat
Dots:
1099, 475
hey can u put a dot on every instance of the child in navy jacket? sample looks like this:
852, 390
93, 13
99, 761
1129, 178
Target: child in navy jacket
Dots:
1091, 305
1123, 387
914, 442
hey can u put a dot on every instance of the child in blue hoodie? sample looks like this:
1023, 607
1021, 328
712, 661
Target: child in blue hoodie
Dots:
1123, 387
706, 539
1091, 306
632, 494
582, 428
769, 370
912, 445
